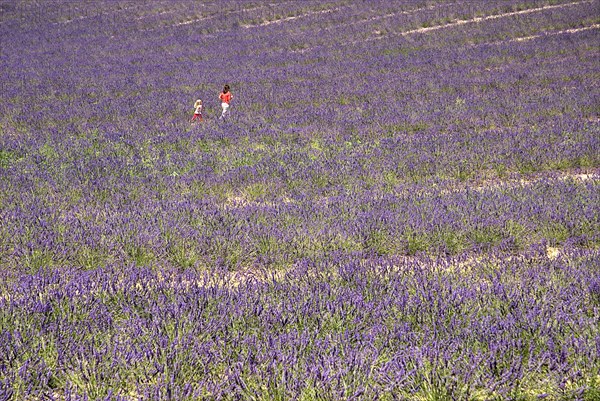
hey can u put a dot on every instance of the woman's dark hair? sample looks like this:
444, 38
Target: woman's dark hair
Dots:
226, 89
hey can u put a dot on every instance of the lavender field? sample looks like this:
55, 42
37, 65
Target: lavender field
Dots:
402, 205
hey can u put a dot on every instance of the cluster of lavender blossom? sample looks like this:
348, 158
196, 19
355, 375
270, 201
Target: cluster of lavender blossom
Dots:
404, 204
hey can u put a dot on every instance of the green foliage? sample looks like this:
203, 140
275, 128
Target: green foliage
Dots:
7, 157
380, 242
455, 242
37, 259
183, 256
90, 258
556, 232
255, 192
139, 254
416, 242
487, 236
409, 128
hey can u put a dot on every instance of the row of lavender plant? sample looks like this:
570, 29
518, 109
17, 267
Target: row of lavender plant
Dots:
346, 161
195, 223
495, 328
439, 94
467, 135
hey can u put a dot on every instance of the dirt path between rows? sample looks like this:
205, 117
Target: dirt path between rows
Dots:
287, 19
543, 35
479, 19
456, 23
240, 201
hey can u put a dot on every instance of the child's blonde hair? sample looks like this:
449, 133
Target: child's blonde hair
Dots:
197, 103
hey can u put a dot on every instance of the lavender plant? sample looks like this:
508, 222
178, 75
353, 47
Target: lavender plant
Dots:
402, 206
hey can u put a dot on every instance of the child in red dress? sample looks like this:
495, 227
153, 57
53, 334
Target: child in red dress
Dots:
225, 98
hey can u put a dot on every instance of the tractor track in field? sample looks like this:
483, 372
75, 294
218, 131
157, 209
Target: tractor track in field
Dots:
477, 20
104, 13
484, 185
454, 23
292, 18
550, 33
380, 17
257, 275
213, 16
240, 201
389, 15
